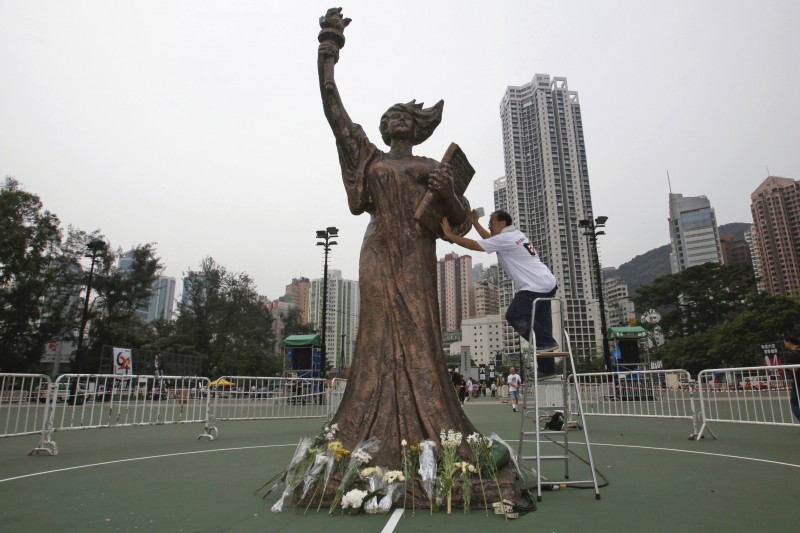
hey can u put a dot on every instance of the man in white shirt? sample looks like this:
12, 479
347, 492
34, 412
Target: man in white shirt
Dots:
533, 279
514, 382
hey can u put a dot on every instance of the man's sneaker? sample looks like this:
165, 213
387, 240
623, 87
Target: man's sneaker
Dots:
514, 407
549, 348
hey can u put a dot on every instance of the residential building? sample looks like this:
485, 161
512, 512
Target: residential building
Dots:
693, 232
456, 290
341, 324
775, 206
755, 259
483, 335
278, 310
298, 293
619, 307
734, 250
546, 191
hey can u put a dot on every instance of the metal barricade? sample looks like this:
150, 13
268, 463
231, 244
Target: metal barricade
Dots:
335, 395
641, 393
748, 395
23, 404
265, 398
90, 401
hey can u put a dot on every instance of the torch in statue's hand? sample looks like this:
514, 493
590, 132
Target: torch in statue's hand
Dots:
333, 25
331, 38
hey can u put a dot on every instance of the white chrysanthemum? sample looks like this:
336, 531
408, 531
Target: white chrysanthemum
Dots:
361, 457
393, 476
404, 443
353, 499
372, 471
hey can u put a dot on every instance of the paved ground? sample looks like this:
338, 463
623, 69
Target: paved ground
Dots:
165, 479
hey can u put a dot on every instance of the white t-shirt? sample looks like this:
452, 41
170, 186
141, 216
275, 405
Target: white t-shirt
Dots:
519, 259
513, 382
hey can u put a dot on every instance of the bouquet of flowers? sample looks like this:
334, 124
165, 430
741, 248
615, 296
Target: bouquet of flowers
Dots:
448, 461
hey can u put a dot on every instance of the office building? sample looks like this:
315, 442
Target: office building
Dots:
693, 232
775, 206
546, 191
161, 303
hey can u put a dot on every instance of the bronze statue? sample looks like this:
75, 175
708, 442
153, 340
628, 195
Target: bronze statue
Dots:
398, 387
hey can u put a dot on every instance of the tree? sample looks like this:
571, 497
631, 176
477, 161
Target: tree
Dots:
698, 298
119, 293
733, 343
293, 323
223, 320
39, 280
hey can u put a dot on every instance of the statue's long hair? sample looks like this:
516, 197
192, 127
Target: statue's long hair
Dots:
425, 120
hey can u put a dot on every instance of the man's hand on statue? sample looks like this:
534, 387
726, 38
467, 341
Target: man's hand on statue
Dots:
446, 229
473, 217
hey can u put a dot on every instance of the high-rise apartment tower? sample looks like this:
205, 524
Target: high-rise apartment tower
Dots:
775, 205
546, 191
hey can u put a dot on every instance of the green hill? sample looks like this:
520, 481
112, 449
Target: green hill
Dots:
643, 269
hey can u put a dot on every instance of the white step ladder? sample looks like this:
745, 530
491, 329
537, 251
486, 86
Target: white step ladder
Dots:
551, 395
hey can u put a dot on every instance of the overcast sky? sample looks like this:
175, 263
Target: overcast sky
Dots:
198, 125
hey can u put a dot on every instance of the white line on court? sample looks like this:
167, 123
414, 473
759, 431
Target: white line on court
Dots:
132, 459
393, 520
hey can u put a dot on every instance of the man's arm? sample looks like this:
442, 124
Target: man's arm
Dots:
483, 232
469, 244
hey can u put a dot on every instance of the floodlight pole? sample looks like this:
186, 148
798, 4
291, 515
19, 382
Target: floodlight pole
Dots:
591, 228
326, 242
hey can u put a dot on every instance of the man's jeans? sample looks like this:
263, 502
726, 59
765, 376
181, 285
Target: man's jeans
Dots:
519, 317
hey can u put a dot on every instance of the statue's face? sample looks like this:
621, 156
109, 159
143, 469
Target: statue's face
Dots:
400, 125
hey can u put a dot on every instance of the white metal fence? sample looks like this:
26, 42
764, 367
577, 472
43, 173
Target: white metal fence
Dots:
261, 398
91, 401
748, 395
33, 404
21, 412
645, 393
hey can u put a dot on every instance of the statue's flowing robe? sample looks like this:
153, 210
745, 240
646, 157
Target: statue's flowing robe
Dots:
398, 384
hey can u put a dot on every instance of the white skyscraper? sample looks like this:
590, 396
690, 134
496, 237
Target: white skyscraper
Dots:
693, 232
546, 192
342, 310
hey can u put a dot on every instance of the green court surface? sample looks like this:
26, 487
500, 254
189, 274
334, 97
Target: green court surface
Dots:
164, 479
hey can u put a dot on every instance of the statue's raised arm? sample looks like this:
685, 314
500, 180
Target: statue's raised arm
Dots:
331, 40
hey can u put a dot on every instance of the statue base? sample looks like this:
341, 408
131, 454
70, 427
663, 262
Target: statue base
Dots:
481, 495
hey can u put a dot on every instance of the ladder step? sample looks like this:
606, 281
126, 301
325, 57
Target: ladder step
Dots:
545, 458
544, 432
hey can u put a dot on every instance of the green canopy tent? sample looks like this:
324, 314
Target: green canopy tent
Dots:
303, 352
627, 343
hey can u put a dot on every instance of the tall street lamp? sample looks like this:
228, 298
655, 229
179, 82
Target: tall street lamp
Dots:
93, 249
325, 236
591, 230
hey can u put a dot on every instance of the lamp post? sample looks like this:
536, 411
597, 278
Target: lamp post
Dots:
325, 236
591, 230
93, 249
